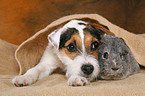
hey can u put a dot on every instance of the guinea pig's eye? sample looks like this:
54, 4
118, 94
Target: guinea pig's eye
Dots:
105, 55
122, 56
71, 47
94, 46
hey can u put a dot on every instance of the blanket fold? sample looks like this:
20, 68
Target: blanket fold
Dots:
8, 64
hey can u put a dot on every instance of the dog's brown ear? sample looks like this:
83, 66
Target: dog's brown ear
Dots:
103, 28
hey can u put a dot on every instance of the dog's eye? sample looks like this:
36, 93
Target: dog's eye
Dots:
105, 55
94, 45
71, 47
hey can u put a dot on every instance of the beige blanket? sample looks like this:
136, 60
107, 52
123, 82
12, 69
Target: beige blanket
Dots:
29, 53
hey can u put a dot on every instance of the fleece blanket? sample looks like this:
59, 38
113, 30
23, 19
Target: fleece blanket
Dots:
17, 60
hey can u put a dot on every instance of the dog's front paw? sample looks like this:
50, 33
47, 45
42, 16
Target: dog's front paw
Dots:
77, 81
23, 80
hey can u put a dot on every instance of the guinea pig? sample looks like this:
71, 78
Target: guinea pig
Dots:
116, 61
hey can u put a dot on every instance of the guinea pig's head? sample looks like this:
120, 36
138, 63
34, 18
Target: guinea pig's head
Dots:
114, 58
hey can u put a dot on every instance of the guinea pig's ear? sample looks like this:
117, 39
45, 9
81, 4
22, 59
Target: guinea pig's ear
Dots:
123, 41
54, 38
103, 28
126, 50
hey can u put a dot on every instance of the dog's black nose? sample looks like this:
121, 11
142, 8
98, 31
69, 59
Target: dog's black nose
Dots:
87, 69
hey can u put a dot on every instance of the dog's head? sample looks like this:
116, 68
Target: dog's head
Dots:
77, 43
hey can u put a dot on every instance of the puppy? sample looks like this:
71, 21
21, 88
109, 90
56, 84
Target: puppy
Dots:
72, 48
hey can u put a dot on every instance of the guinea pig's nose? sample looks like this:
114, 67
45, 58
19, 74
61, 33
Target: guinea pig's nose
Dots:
87, 69
115, 68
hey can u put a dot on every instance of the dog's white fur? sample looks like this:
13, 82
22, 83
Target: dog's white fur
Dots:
51, 60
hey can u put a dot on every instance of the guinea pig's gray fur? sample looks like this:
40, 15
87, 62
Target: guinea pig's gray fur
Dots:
115, 59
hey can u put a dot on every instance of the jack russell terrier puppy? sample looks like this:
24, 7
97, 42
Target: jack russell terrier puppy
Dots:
72, 48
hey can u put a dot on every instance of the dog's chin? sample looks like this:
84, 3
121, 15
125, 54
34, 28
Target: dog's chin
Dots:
90, 77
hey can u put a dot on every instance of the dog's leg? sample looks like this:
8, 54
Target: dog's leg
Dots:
48, 63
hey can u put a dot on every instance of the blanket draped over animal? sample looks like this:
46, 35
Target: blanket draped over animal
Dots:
17, 60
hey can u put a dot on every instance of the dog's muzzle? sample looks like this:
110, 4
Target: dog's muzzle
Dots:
87, 69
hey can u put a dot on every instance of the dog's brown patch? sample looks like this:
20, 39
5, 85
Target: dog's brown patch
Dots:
92, 34
106, 31
88, 40
75, 38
